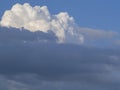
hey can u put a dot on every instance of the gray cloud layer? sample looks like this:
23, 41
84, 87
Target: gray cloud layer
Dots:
13, 35
26, 60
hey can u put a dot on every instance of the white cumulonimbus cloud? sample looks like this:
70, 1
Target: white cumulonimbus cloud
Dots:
39, 19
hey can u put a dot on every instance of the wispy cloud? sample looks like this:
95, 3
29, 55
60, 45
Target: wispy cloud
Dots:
97, 37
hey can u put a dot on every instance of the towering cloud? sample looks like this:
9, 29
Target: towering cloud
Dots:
39, 19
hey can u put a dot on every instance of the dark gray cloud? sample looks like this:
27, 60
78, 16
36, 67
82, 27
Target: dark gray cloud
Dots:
29, 63
13, 35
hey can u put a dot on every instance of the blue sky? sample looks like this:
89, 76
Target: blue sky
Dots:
96, 14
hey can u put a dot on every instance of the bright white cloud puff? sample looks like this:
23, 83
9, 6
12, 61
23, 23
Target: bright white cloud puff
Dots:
39, 19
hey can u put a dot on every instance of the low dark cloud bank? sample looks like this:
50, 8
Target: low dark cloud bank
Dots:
34, 61
13, 35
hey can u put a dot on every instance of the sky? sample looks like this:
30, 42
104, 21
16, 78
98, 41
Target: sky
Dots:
103, 14
59, 45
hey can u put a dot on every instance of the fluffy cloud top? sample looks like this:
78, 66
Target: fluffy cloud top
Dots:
39, 19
